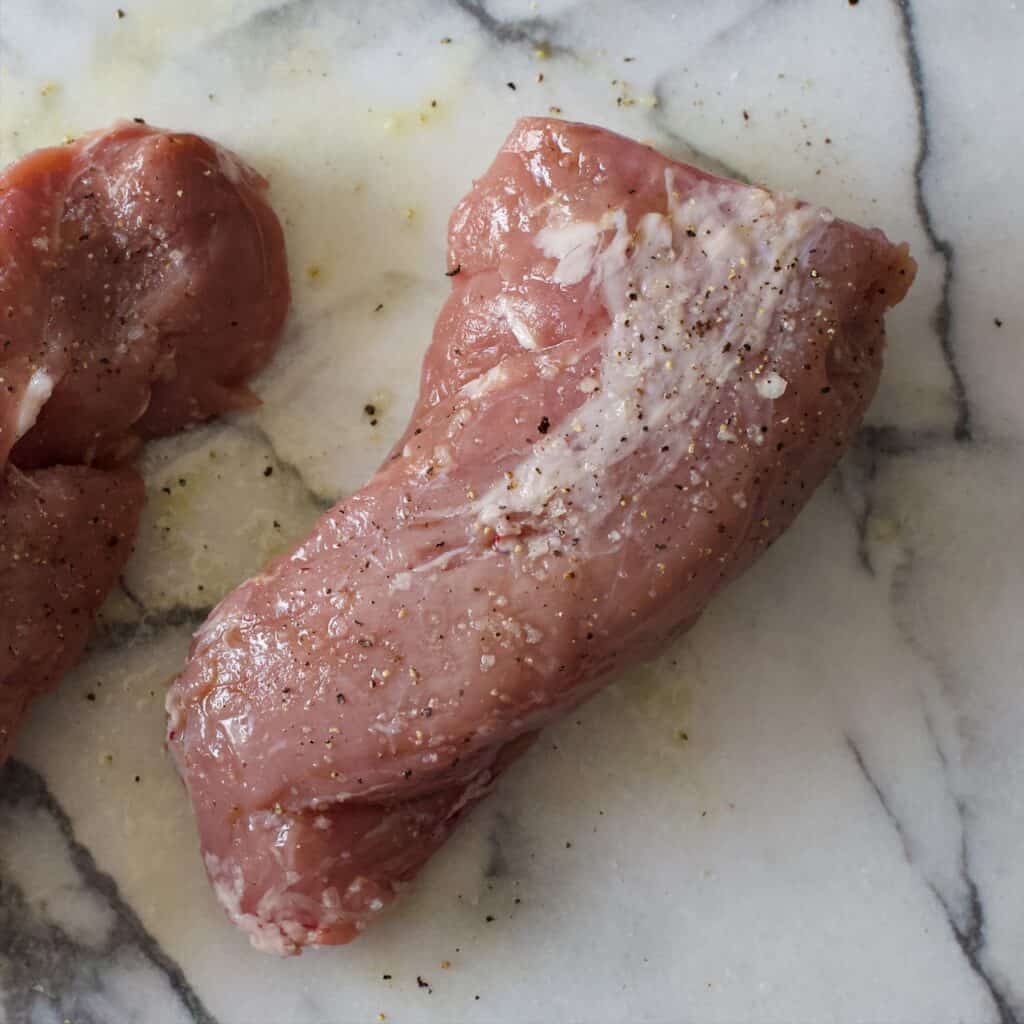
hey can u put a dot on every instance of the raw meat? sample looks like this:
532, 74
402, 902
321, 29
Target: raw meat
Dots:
142, 281
67, 531
639, 378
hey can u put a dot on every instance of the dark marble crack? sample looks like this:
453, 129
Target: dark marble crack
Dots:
256, 431
39, 960
859, 471
680, 148
113, 635
968, 929
270, 21
901, 600
498, 834
497, 862
747, 23
889, 439
855, 479
857, 474
942, 317
135, 600
536, 32
864, 519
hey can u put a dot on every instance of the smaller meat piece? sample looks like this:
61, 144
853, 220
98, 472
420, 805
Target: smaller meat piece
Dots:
143, 281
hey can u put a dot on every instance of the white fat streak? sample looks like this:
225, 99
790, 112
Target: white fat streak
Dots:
37, 394
719, 233
404, 580
574, 245
230, 166
479, 386
517, 325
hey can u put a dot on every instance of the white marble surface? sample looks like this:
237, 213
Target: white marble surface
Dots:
813, 808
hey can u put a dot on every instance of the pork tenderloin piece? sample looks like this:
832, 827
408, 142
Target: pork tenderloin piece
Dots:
640, 376
142, 282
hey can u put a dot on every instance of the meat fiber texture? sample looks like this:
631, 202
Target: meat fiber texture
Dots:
640, 376
142, 282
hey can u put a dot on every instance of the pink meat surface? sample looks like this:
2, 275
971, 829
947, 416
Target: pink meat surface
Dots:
639, 378
67, 532
142, 281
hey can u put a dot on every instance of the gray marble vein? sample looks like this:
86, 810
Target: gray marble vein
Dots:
47, 962
857, 474
942, 317
968, 924
533, 31
111, 635
263, 436
682, 148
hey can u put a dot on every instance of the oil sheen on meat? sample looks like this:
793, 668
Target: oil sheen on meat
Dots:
142, 281
639, 378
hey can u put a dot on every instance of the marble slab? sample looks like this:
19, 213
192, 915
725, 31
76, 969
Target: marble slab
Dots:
812, 808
